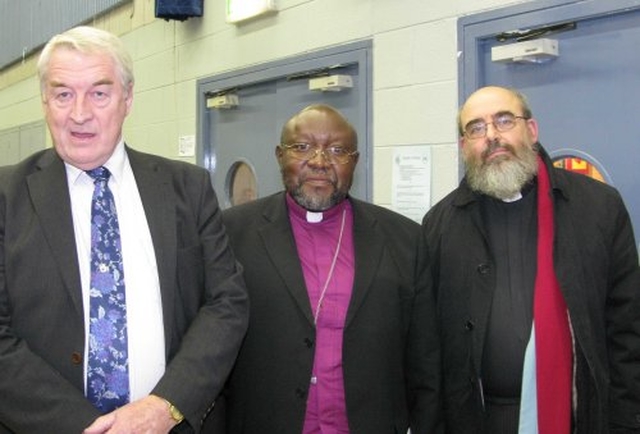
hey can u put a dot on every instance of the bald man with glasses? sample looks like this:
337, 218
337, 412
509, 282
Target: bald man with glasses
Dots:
341, 336
535, 273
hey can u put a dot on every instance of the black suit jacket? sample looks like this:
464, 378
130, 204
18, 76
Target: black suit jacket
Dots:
596, 263
390, 353
205, 304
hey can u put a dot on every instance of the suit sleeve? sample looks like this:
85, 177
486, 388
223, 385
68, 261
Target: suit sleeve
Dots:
423, 358
211, 340
623, 328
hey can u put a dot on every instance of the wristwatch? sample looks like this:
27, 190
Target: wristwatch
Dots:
176, 415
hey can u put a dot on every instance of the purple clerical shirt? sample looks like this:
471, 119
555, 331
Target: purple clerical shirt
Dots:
317, 236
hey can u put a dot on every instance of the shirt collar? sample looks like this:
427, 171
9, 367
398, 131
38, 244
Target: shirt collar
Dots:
303, 214
115, 164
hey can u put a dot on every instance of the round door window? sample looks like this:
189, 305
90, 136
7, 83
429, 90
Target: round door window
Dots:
579, 165
241, 183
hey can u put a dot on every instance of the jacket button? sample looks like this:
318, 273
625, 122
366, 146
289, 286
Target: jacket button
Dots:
483, 268
76, 358
300, 392
308, 342
469, 325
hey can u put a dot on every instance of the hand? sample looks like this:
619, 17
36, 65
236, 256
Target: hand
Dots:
149, 415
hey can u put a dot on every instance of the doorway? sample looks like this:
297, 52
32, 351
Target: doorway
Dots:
587, 99
241, 114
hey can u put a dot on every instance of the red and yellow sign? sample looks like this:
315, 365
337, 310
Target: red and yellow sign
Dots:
579, 165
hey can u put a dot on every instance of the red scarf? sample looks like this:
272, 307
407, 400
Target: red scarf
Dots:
554, 355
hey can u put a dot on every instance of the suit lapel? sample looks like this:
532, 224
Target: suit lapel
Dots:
368, 249
279, 243
155, 190
49, 195
277, 236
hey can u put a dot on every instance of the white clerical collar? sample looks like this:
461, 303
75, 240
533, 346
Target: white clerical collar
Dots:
514, 198
314, 217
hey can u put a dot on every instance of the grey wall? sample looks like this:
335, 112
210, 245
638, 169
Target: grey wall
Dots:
25, 25
20, 142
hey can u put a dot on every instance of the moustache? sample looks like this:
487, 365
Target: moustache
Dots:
319, 173
493, 146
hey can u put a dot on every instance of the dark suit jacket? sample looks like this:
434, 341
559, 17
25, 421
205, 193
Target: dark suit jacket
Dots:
390, 354
205, 304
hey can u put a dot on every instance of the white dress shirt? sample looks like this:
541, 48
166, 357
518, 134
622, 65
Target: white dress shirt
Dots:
144, 305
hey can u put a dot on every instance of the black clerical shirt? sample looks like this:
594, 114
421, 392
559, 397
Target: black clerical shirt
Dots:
512, 231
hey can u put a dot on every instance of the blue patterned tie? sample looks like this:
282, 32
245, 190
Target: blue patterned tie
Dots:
107, 364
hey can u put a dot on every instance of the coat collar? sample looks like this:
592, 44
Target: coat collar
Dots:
277, 236
158, 200
49, 194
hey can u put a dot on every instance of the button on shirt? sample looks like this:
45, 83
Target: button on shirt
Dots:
144, 304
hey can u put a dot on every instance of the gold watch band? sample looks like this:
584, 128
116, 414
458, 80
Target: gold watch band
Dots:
176, 415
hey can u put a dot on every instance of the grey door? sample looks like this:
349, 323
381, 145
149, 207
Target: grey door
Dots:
587, 100
239, 141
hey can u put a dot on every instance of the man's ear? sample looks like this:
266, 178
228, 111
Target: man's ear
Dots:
532, 126
279, 153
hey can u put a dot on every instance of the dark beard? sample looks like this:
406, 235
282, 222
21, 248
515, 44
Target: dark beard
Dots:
317, 204
504, 176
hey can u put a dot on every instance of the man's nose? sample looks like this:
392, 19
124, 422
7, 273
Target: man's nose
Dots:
319, 158
492, 131
80, 110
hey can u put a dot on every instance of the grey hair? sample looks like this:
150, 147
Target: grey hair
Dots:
88, 40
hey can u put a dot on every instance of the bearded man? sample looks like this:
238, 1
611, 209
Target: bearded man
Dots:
535, 275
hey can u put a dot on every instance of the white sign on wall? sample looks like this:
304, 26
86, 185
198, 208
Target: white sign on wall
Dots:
411, 181
240, 10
